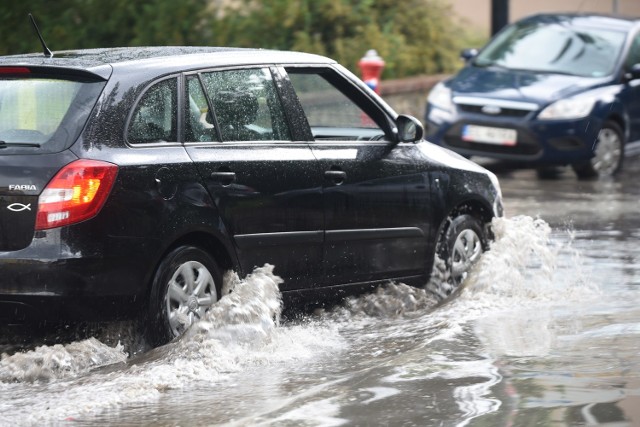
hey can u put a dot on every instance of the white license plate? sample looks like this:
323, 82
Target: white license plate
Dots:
489, 135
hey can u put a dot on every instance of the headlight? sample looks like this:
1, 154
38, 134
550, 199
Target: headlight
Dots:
440, 97
498, 209
570, 108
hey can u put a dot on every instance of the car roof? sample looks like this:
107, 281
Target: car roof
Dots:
168, 58
612, 22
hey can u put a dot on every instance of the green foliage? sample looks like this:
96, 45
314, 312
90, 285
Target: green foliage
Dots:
413, 36
75, 24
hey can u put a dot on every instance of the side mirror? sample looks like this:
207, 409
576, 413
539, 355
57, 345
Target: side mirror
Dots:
633, 73
409, 129
468, 54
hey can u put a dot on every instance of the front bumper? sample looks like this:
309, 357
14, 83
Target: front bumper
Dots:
538, 141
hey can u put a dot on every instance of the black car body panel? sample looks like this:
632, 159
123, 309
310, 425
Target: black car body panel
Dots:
272, 205
332, 207
19, 194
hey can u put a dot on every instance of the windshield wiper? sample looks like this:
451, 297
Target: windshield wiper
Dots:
5, 144
489, 64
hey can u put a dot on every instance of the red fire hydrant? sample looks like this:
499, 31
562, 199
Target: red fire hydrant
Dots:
371, 66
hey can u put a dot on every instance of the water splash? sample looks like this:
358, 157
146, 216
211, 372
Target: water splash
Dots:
506, 300
58, 361
388, 301
523, 264
242, 332
239, 333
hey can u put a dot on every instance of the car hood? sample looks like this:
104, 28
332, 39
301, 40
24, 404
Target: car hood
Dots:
516, 85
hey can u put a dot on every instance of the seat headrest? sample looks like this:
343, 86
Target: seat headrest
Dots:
236, 108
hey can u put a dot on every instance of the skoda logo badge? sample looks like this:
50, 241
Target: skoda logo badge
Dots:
491, 109
19, 207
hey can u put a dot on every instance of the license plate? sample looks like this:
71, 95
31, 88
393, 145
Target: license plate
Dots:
489, 135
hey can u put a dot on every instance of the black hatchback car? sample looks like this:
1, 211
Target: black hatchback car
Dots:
548, 90
131, 179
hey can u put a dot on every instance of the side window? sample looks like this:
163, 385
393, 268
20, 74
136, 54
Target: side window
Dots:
330, 112
633, 57
200, 125
154, 119
245, 104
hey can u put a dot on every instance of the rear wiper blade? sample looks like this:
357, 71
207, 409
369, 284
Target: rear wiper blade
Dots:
5, 144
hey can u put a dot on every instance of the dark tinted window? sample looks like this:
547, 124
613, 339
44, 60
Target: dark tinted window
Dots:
246, 105
154, 119
48, 113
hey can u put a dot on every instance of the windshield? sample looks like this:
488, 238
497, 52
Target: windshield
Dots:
47, 114
554, 47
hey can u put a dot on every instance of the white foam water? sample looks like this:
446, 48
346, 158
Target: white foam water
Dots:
522, 268
58, 361
56, 383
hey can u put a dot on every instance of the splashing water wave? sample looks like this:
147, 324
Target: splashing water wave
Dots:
58, 361
241, 332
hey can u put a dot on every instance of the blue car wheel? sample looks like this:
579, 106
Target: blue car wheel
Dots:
608, 154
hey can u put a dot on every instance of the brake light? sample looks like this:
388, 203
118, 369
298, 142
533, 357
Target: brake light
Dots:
75, 194
14, 70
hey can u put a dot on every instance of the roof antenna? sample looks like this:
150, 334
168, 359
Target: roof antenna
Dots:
46, 50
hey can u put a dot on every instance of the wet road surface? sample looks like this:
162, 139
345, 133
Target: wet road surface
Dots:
544, 332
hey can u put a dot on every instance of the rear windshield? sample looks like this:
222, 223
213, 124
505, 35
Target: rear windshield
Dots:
43, 114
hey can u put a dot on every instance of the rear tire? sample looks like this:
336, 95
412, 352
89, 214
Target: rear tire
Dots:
186, 284
608, 154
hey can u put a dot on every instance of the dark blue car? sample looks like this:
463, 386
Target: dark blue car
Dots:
548, 90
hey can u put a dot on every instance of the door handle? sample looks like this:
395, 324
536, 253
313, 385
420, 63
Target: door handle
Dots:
338, 177
225, 178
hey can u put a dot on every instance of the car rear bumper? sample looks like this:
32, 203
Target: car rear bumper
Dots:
19, 309
53, 280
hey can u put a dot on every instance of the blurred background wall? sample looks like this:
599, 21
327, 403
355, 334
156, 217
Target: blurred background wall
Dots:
478, 12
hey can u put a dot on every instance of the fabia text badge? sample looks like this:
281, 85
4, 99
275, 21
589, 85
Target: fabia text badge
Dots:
22, 187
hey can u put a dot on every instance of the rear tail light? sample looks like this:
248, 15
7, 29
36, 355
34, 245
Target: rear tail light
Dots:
14, 70
75, 194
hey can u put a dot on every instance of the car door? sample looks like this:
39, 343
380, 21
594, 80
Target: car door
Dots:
376, 203
266, 187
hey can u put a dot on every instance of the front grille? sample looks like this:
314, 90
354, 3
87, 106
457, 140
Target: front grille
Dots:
504, 112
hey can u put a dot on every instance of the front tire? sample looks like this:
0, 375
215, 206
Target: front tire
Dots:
608, 154
186, 284
461, 246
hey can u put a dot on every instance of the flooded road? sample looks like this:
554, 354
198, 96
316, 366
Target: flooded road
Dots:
544, 332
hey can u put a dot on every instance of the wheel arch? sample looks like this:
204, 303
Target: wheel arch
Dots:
474, 207
206, 241
620, 121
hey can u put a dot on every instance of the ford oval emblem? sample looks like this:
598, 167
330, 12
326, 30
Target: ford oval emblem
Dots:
491, 109
19, 207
